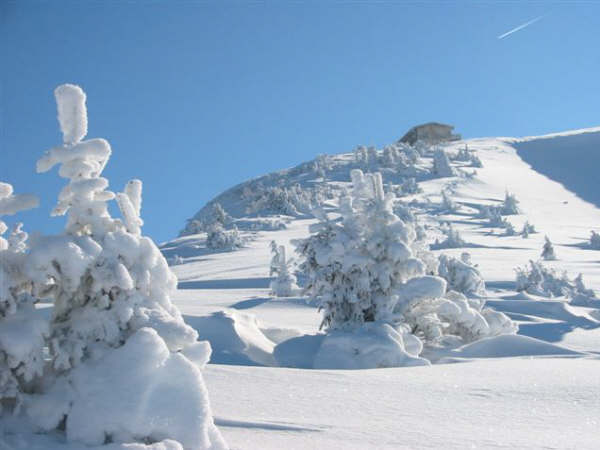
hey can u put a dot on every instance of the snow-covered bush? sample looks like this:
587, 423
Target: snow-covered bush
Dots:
461, 275
548, 250
540, 280
361, 158
218, 238
581, 295
510, 205
595, 240
448, 204
290, 201
441, 164
527, 229
116, 340
284, 285
410, 186
22, 331
509, 228
453, 238
363, 271
463, 154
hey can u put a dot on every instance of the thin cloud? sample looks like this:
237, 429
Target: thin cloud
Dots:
520, 27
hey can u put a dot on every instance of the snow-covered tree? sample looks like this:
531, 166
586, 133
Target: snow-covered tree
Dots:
284, 285
441, 164
510, 205
361, 158
461, 275
373, 156
113, 321
363, 270
410, 186
22, 331
218, 238
527, 229
453, 238
595, 240
548, 250
448, 204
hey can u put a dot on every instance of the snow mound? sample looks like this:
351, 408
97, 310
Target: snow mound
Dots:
236, 338
373, 345
157, 408
508, 345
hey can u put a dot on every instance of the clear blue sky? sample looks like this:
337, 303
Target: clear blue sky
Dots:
198, 96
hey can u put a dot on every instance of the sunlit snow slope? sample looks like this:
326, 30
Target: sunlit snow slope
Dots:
490, 402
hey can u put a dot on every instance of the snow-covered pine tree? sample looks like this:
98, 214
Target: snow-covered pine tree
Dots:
595, 240
22, 331
510, 205
527, 229
363, 270
373, 156
354, 266
441, 164
284, 285
548, 250
113, 321
448, 204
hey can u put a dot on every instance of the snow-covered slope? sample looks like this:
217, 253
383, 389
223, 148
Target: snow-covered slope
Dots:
501, 400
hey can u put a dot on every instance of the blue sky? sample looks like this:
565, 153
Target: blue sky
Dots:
195, 97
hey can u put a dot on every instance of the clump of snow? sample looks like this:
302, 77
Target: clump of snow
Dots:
461, 275
236, 338
372, 345
284, 285
72, 113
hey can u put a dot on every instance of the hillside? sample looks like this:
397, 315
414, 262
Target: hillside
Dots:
225, 295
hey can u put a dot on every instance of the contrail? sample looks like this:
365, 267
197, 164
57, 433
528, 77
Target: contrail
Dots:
520, 27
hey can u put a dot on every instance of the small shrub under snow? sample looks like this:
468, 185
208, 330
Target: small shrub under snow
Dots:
461, 275
284, 285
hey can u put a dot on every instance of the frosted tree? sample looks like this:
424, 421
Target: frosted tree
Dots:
510, 205
441, 164
410, 186
595, 240
548, 250
113, 320
361, 157
284, 285
218, 238
448, 204
453, 238
373, 156
461, 275
527, 229
22, 331
390, 156
363, 270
